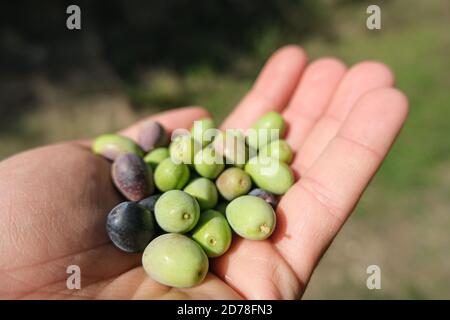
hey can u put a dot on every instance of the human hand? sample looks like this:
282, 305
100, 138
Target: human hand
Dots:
54, 200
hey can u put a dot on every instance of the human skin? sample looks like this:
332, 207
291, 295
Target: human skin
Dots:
341, 123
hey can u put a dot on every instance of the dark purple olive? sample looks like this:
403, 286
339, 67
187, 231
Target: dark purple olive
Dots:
270, 198
132, 176
130, 226
149, 202
152, 135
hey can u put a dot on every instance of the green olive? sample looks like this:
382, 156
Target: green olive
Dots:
213, 233
169, 175
233, 182
270, 174
278, 149
251, 217
175, 260
208, 163
111, 146
231, 145
204, 191
269, 127
176, 211
156, 156
183, 148
200, 131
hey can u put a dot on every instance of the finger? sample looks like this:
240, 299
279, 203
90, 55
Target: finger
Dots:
359, 80
315, 208
170, 120
312, 96
273, 88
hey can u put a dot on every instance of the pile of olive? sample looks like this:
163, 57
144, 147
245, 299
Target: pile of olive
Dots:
186, 195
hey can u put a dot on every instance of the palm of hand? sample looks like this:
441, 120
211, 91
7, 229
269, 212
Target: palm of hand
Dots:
55, 199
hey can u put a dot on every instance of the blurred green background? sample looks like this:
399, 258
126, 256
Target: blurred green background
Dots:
135, 58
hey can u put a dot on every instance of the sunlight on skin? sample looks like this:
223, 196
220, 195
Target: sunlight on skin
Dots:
342, 123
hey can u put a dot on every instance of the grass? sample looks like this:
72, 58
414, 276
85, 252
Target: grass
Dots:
402, 222
407, 203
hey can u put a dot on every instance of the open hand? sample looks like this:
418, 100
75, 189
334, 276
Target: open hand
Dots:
342, 122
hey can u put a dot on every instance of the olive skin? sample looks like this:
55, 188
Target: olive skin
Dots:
183, 148
130, 227
175, 260
208, 163
267, 196
150, 202
169, 175
132, 177
111, 146
152, 135
270, 174
251, 217
199, 129
156, 156
278, 149
233, 182
272, 127
204, 191
176, 211
212, 233
231, 146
